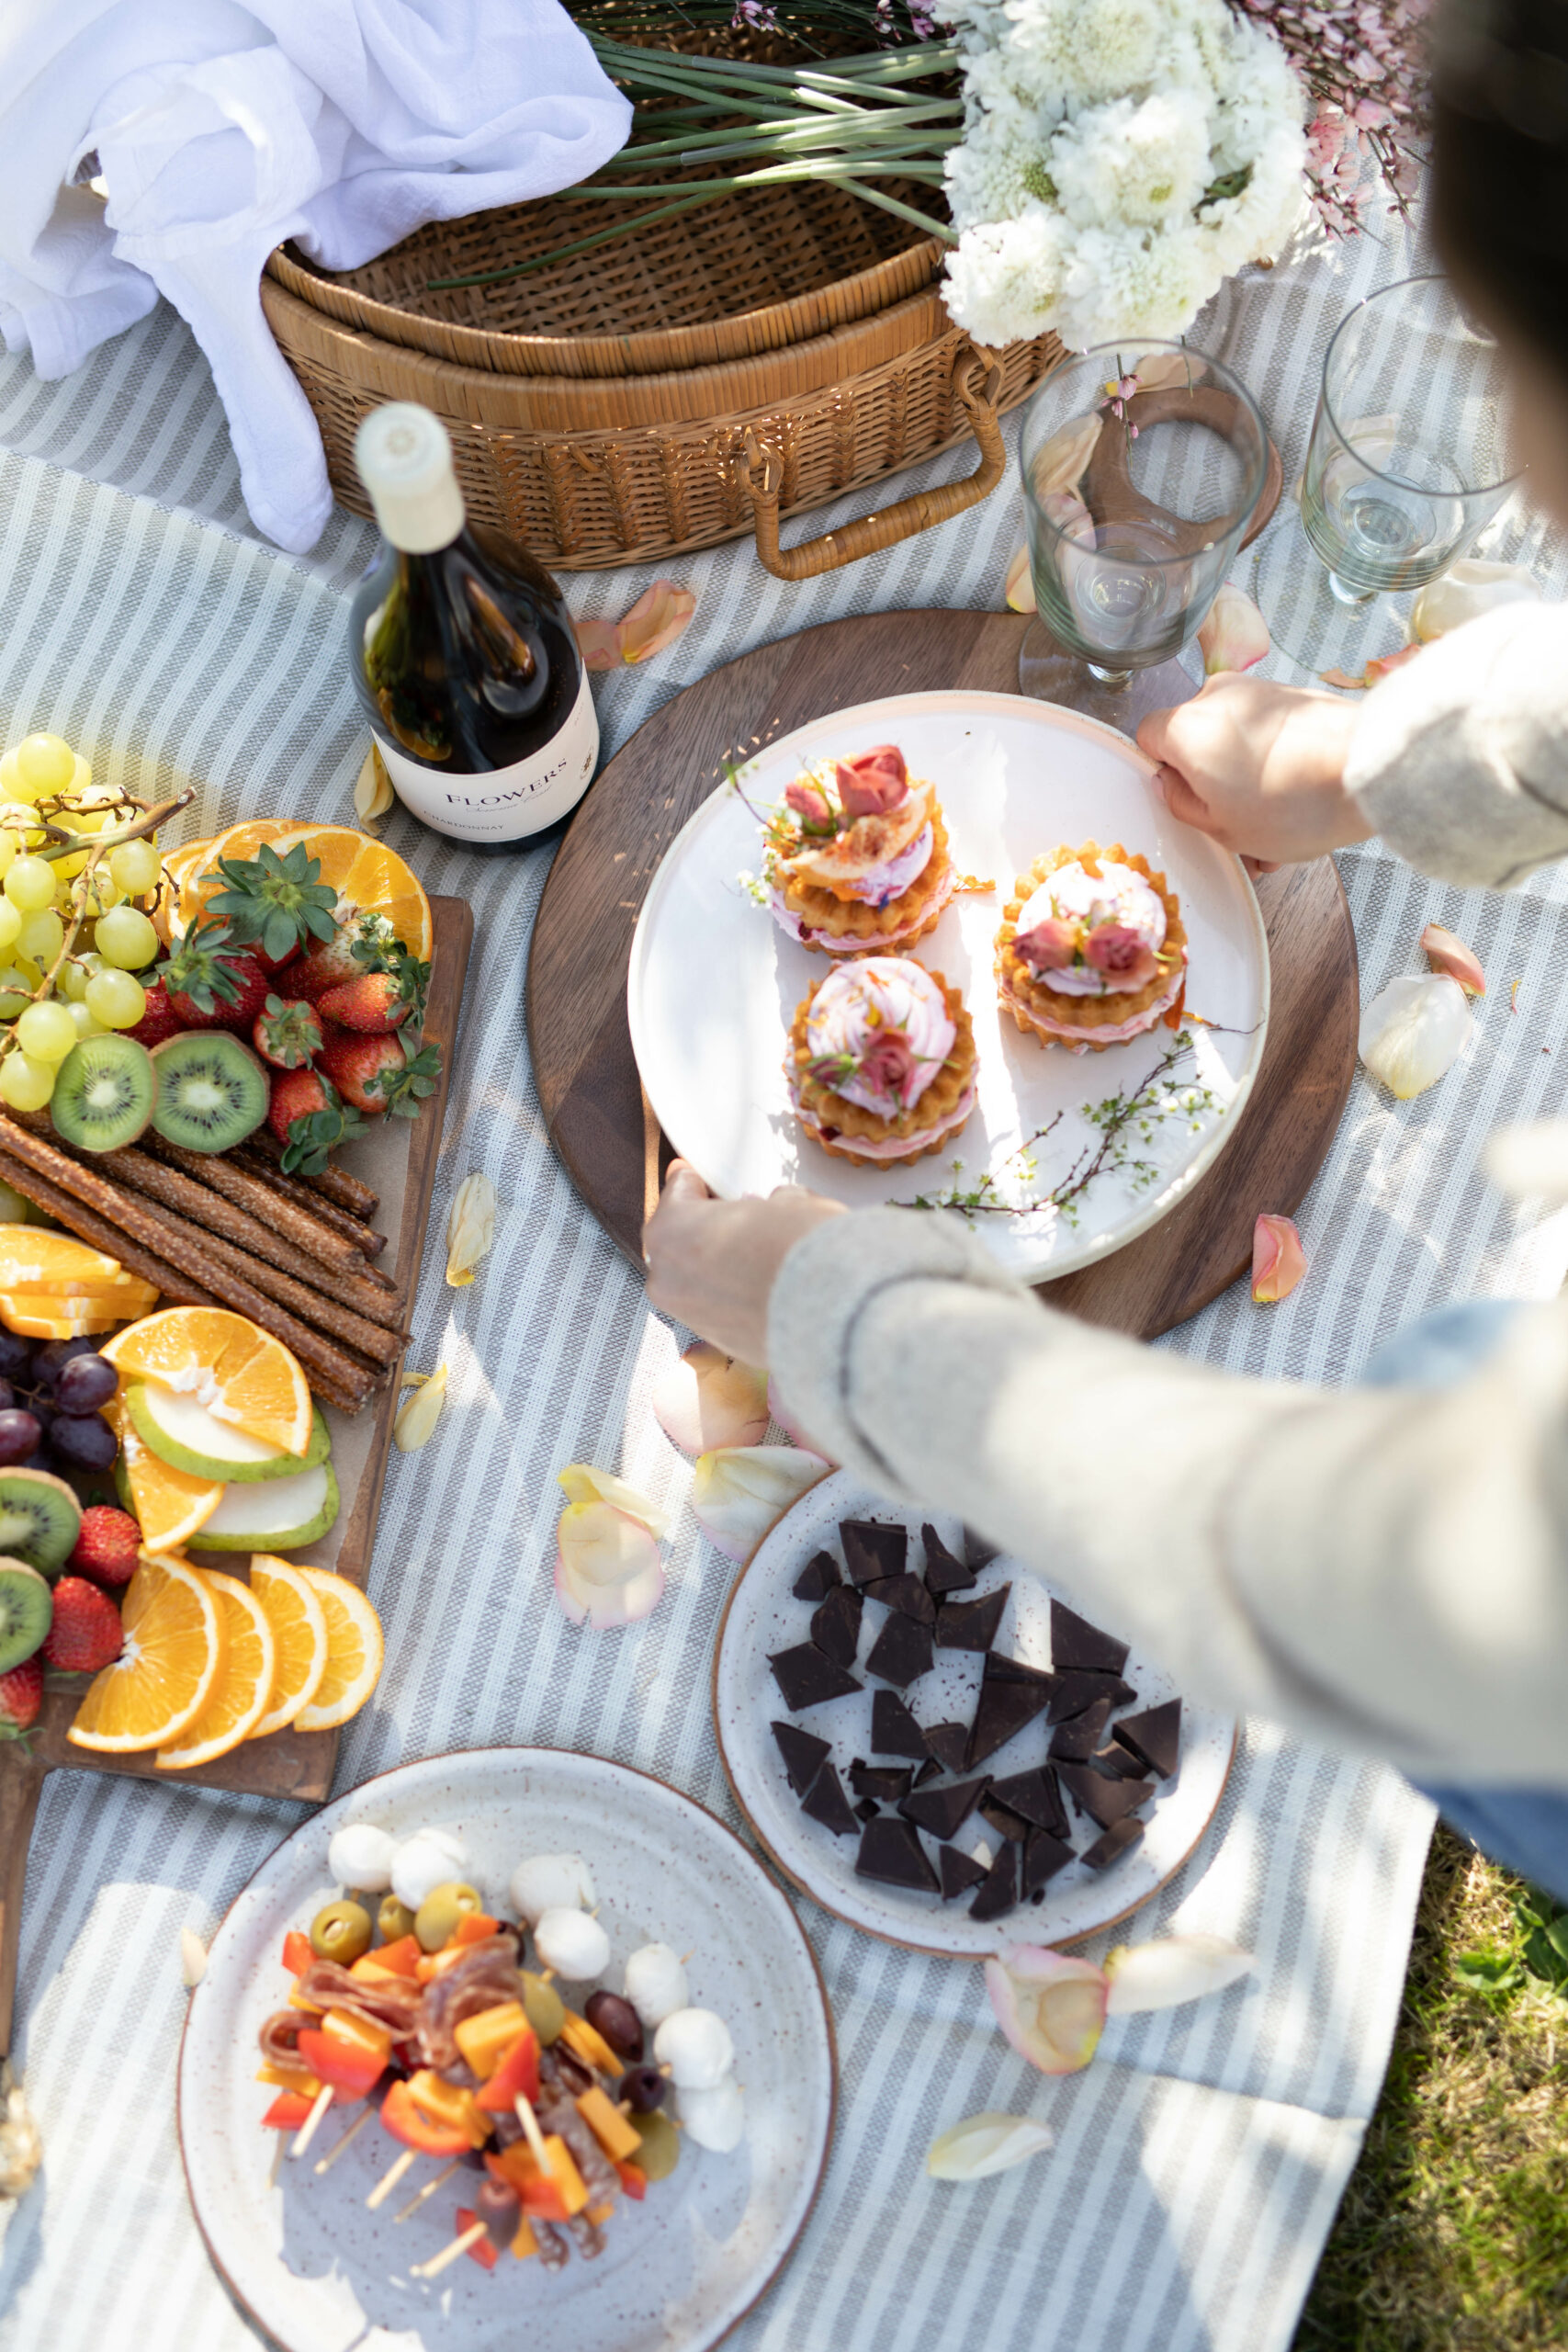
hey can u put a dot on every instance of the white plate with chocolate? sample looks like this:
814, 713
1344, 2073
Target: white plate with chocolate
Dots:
1068, 1151
934, 1747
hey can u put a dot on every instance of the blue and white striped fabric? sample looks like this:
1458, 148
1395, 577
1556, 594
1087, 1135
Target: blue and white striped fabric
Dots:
1201, 2157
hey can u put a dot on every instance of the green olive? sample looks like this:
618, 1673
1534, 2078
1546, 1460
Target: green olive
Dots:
394, 1919
340, 1931
442, 1910
544, 2007
661, 2144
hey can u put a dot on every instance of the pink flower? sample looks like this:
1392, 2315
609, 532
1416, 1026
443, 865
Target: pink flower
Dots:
809, 804
874, 784
1050, 947
889, 1065
1116, 950
1279, 1262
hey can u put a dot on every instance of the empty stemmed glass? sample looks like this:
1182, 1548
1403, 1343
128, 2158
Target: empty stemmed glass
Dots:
1145, 466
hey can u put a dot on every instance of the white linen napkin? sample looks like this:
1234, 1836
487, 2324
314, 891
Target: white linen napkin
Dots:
221, 130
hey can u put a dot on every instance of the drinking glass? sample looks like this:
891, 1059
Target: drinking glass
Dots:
1409, 454
1144, 467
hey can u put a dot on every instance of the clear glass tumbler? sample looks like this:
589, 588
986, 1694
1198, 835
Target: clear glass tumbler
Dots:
1409, 452
1144, 465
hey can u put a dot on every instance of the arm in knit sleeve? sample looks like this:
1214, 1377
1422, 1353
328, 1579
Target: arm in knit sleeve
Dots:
1459, 760
1383, 1570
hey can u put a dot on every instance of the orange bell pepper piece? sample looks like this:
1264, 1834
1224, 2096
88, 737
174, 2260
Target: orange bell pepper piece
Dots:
395, 1959
447, 2106
518, 2072
358, 2034
609, 2126
287, 2111
471, 1928
405, 2123
591, 2048
289, 2079
524, 2242
297, 1952
485, 2037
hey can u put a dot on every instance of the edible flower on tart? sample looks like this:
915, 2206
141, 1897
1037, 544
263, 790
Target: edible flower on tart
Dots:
855, 858
1091, 950
881, 1067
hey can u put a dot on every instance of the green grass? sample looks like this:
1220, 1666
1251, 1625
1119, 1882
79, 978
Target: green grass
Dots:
1453, 2233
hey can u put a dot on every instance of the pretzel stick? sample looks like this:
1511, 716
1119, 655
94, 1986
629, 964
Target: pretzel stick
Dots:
241, 1197
196, 1254
333, 1183
259, 1172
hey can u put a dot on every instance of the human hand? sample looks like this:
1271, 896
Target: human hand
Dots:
1259, 767
711, 1264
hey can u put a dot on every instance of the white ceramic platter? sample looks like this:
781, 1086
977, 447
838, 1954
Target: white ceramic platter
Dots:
713, 982
764, 1616
319, 2273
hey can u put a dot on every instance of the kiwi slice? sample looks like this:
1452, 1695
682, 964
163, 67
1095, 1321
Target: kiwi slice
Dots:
105, 1094
212, 1091
26, 1608
180, 1430
40, 1518
276, 1516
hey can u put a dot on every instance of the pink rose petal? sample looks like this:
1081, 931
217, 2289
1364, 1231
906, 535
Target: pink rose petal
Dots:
787, 1421
1279, 1262
1235, 635
1051, 2008
709, 1400
608, 1569
599, 643
1445, 953
655, 621
1019, 586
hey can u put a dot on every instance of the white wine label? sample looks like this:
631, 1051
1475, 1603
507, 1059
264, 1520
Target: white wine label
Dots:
506, 804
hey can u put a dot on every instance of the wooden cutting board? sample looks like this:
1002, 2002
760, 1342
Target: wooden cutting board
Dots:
598, 1116
297, 1765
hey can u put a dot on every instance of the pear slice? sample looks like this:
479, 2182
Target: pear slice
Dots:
180, 1430
273, 1515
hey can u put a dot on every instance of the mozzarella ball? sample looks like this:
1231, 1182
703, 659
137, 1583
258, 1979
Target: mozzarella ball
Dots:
715, 2117
571, 1943
551, 1882
656, 1984
695, 2046
426, 1861
361, 1856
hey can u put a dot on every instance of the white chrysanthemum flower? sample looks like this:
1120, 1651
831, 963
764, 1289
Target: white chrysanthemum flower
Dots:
1145, 165
1119, 283
1004, 277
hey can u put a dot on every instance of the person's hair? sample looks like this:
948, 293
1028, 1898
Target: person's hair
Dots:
1500, 161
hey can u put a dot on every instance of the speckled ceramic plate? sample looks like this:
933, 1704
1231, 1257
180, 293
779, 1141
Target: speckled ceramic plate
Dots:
319, 2273
763, 1615
1014, 777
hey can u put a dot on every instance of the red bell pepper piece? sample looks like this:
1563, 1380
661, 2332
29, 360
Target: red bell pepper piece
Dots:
634, 2180
297, 1952
335, 2062
404, 2122
399, 1955
287, 2111
481, 2251
517, 2072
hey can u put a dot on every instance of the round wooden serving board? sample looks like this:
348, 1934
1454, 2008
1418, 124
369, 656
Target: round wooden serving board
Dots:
594, 1103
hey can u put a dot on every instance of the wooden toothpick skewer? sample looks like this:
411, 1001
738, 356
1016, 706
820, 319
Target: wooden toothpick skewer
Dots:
438, 2262
417, 2199
325, 2164
390, 2179
530, 2122
308, 2130
279, 2142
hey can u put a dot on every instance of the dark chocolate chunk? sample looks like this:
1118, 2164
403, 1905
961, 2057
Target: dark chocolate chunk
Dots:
1004, 1821
1005, 1706
807, 1679
1001, 1666
1076, 1693
817, 1578
872, 1549
1117, 1762
1115, 1842
835, 1627
971, 1624
885, 1782
906, 1593
866, 1810
802, 1753
943, 1810
1036, 1796
1154, 1737
960, 1871
1104, 1801
901, 1652
947, 1743
824, 1801
999, 1894
1079, 1647
894, 1731
1044, 1856
929, 1770
943, 1572
890, 1850
977, 1551
1077, 1738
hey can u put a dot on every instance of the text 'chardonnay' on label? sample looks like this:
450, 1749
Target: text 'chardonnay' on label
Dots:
463, 653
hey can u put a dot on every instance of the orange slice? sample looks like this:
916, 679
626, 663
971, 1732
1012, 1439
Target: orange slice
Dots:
299, 1629
43, 1314
368, 878
169, 1504
242, 1374
354, 1652
192, 868
31, 1258
174, 1647
243, 1690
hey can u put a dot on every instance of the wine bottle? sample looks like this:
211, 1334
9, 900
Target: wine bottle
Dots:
463, 653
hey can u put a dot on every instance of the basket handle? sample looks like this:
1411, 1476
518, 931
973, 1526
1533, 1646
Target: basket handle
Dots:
762, 473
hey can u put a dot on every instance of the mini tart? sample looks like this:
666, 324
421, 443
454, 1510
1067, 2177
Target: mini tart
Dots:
835, 1125
1050, 1015
877, 930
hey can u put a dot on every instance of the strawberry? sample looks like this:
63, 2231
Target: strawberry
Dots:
107, 1546
309, 1119
373, 1004
159, 1020
87, 1633
379, 1074
286, 1032
21, 1696
209, 989
354, 948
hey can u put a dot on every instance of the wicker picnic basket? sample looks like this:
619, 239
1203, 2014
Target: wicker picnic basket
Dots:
750, 359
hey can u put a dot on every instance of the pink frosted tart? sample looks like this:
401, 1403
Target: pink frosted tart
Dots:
1091, 950
856, 860
882, 1062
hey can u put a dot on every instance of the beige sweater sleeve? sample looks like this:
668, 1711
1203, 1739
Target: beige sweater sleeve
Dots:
1459, 760
1381, 1570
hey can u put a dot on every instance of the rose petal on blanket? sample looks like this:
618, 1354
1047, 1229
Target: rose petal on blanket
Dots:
1235, 635
709, 1400
739, 1492
580, 1483
1168, 1970
1446, 953
1051, 2008
1279, 1262
608, 1570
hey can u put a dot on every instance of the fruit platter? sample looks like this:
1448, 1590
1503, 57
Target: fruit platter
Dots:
222, 1084
507, 2044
